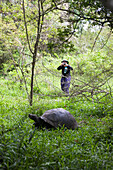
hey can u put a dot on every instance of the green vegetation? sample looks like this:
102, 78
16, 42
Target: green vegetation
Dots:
23, 147
36, 36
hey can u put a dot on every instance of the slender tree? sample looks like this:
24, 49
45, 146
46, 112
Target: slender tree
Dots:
40, 20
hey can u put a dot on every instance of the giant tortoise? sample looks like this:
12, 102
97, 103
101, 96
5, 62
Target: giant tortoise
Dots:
55, 118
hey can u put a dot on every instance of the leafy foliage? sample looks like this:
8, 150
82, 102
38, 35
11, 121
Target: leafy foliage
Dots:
90, 100
21, 146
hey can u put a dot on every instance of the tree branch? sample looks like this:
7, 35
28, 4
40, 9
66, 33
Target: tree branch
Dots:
107, 39
26, 28
96, 38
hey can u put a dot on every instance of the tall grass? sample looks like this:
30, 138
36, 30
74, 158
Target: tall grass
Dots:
24, 147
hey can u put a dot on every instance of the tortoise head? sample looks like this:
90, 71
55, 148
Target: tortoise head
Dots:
36, 119
39, 122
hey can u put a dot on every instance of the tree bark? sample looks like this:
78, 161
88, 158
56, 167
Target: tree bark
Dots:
39, 29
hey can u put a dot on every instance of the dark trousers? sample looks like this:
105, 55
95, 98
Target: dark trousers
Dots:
65, 83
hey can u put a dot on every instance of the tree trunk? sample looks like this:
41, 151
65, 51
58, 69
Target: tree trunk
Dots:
32, 73
32, 78
39, 28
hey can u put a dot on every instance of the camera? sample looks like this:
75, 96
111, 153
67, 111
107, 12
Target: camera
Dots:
64, 63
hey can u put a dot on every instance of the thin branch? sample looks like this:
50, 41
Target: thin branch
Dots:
109, 48
25, 83
107, 39
96, 38
49, 70
70, 35
26, 28
22, 75
84, 17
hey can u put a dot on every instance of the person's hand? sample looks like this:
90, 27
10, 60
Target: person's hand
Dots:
64, 64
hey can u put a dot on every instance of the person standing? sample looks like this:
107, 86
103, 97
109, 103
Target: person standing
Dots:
66, 77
